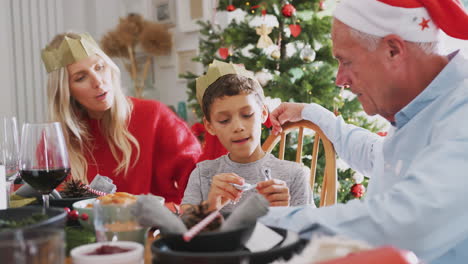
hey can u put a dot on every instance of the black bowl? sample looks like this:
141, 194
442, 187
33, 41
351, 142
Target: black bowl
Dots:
57, 217
213, 241
290, 245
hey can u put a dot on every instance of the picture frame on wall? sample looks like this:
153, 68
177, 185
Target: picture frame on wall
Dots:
185, 63
164, 12
191, 11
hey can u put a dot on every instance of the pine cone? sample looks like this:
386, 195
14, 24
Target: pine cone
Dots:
75, 189
196, 213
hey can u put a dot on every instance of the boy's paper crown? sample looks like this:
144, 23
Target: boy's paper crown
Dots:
215, 70
70, 50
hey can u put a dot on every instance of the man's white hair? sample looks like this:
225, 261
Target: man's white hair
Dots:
371, 41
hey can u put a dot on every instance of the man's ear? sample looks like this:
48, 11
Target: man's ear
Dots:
265, 113
395, 46
208, 127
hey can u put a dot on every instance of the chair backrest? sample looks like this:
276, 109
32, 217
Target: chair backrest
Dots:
328, 190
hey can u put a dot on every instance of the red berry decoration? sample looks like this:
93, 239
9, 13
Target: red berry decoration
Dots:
73, 215
84, 216
288, 10
67, 210
230, 8
358, 190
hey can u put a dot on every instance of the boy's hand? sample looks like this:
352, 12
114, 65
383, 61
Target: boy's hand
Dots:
275, 191
222, 191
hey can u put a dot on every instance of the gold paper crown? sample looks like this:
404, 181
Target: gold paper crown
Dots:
70, 50
215, 70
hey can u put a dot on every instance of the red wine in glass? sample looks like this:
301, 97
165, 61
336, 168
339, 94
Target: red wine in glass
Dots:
45, 181
44, 160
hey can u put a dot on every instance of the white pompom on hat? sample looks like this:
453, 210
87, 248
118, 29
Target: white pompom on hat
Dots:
413, 20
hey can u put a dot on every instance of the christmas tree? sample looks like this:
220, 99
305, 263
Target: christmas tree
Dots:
287, 45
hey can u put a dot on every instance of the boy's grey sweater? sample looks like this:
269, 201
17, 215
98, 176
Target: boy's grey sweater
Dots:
294, 174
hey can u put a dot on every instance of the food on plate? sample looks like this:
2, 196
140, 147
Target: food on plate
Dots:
35, 218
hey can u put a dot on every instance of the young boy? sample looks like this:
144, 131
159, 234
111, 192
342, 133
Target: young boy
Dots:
234, 110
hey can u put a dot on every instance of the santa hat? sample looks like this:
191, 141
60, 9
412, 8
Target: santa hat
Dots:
413, 20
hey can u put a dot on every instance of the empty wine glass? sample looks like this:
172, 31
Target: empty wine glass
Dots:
9, 151
44, 160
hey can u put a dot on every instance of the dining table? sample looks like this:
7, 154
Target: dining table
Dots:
151, 237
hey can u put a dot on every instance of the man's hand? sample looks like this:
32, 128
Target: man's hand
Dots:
286, 112
222, 191
275, 191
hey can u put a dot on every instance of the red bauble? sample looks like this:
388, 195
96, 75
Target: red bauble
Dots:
295, 30
223, 53
288, 10
358, 190
230, 8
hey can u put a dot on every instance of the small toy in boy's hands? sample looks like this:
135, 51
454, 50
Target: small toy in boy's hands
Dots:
245, 187
195, 213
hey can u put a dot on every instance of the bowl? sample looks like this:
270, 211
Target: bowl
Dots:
291, 244
81, 207
57, 217
135, 255
211, 241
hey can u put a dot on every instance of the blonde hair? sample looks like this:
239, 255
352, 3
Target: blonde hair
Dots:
65, 109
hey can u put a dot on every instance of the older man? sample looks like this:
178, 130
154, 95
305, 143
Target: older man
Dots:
387, 53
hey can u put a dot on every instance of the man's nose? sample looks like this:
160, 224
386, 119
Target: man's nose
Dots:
342, 80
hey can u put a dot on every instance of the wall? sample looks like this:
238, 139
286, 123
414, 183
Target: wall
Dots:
26, 26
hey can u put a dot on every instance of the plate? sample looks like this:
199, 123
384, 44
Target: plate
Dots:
291, 244
57, 216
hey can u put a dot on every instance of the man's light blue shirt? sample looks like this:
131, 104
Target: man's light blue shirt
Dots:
419, 175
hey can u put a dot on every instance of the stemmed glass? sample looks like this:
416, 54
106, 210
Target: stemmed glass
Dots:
44, 160
9, 151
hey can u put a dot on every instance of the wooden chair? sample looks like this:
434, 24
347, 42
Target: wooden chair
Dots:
328, 193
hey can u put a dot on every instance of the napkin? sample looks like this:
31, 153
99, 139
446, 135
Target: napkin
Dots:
246, 213
103, 184
151, 213
27, 191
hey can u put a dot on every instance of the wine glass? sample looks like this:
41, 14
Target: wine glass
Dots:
9, 151
44, 160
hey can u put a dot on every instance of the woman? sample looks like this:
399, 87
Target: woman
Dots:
140, 144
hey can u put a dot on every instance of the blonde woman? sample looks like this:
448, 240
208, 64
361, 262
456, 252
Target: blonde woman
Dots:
140, 144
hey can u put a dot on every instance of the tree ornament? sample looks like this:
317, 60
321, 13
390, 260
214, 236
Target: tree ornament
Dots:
358, 190
263, 77
322, 5
223, 53
264, 41
307, 54
230, 8
288, 10
276, 54
295, 29
358, 177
